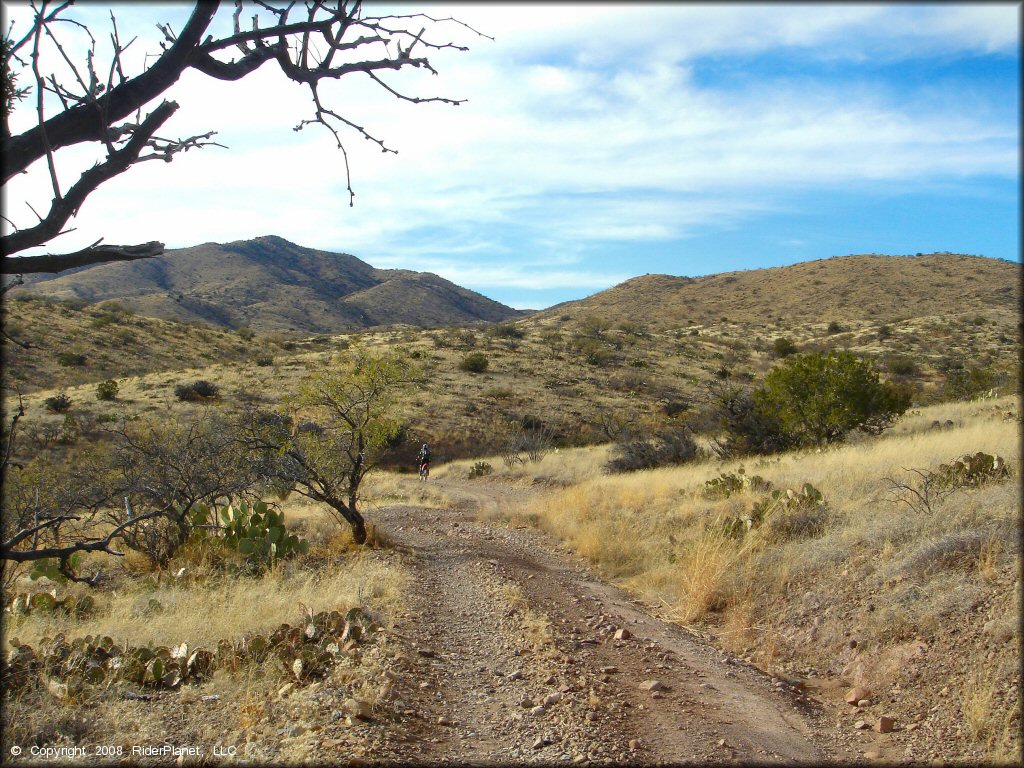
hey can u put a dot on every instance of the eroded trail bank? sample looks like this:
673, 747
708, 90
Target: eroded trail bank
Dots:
514, 651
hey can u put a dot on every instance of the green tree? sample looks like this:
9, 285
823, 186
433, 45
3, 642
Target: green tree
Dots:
818, 398
334, 431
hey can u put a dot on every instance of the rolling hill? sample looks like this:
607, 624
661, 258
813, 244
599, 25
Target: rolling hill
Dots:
869, 288
270, 284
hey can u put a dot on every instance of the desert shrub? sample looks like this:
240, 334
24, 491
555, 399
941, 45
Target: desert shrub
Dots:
818, 398
506, 331
835, 327
468, 339
59, 403
902, 365
245, 333
747, 428
528, 421
673, 407
633, 328
474, 362
664, 448
638, 362
593, 352
480, 469
594, 326
197, 390
115, 307
965, 383
106, 390
70, 431
75, 304
71, 359
927, 486
884, 332
264, 360
783, 347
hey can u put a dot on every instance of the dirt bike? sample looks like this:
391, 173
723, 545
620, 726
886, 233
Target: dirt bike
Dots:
424, 470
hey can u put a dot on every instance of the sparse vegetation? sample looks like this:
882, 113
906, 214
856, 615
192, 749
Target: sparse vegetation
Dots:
59, 403
784, 346
198, 390
71, 359
474, 362
667, 447
106, 390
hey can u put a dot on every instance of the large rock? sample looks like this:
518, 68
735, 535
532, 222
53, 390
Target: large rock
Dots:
856, 694
358, 708
885, 724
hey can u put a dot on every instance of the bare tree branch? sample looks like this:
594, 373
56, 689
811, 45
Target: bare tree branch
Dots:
94, 254
311, 42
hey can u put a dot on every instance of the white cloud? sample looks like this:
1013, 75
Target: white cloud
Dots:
584, 125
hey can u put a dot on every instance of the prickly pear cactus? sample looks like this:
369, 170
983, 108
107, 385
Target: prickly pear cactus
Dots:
729, 483
256, 531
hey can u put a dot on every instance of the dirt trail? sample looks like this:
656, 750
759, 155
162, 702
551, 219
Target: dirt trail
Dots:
512, 656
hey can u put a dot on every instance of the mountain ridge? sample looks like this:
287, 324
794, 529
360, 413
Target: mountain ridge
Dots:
271, 284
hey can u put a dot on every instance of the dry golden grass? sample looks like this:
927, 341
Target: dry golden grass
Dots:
656, 534
202, 612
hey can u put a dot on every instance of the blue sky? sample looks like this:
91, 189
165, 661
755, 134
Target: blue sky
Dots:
604, 141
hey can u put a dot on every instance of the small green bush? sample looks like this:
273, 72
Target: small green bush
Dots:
665, 448
835, 327
884, 332
106, 390
901, 365
71, 359
245, 333
480, 469
507, 331
59, 403
474, 362
966, 383
264, 360
197, 390
783, 347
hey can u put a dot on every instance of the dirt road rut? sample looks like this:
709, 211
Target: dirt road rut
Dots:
515, 652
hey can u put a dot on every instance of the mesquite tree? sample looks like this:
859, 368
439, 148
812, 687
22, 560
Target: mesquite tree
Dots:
334, 431
135, 489
95, 99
